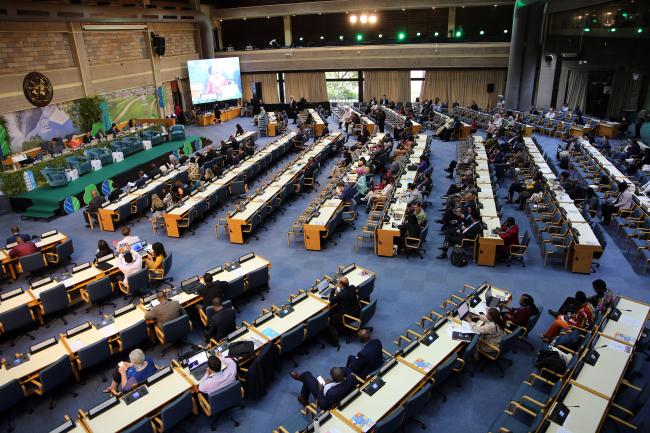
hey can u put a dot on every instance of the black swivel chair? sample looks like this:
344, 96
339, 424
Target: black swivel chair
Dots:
222, 402
173, 413
415, 405
258, 279
444, 371
54, 301
62, 254
133, 336
98, 292
317, 325
142, 426
290, 341
11, 393
34, 264
50, 378
94, 354
174, 333
497, 354
16, 319
137, 285
390, 423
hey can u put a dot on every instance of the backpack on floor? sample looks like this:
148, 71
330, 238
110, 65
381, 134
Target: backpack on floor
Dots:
458, 257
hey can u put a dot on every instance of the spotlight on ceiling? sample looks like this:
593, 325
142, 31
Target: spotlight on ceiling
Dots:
353, 19
363, 19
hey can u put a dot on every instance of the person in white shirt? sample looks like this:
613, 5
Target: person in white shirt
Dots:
372, 196
220, 373
127, 240
624, 201
495, 125
412, 195
129, 263
550, 114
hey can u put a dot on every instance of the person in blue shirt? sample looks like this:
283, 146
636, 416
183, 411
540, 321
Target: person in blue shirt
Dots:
346, 193
128, 374
15, 233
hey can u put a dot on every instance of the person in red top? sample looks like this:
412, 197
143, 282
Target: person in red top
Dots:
23, 248
582, 318
509, 232
520, 315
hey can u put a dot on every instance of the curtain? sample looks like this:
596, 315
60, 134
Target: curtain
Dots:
464, 86
310, 85
396, 85
576, 94
624, 93
269, 87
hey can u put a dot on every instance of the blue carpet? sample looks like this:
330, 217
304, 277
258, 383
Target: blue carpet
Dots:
406, 289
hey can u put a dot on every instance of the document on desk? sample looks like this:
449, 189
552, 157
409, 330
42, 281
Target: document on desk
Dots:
76, 344
619, 346
623, 337
464, 327
423, 365
361, 421
108, 330
270, 332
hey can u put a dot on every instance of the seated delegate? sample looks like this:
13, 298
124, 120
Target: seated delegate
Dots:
211, 289
166, 310
128, 374
222, 320
15, 232
520, 315
327, 394
220, 373
23, 248
582, 318
369, 358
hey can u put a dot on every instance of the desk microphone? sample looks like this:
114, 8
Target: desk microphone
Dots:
599, 347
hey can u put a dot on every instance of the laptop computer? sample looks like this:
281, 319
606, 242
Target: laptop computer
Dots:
323, 288
140, 247
463, 311
491, 301
191, 285
198, 364
103, 262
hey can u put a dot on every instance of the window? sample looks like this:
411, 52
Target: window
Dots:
417, 79
342, 86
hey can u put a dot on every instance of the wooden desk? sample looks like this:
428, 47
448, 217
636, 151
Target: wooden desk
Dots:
15, 160
30, 368
607, 129
336, 424
206, 119
229, 113
317, 225
399, 383
427, 358
631, 323
528, 130
292, 171
579, 131
319, 125
122, 415
43, 246
586, 418
305, 309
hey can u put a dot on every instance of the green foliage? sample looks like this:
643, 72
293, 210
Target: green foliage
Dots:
34, 142
343, 90
5, 140
84, 112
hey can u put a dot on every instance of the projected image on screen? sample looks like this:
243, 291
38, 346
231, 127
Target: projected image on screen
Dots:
214, 79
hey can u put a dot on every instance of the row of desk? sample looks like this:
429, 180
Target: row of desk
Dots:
44, 245
319, 124
219, 188
108, 214
395, 213
614, 173
394, 118
207, 119
592, 389
586, 244
368, 124
252, 212
489, 241
110, 327
326, 214
465, 129
403, 375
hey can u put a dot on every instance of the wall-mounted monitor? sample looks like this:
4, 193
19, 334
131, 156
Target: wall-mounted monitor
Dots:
214, 80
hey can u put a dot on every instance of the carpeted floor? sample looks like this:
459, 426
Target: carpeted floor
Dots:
406, 289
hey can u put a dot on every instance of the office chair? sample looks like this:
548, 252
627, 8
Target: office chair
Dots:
290, 341
174, 334
222, 402
11, 393
133, 336
143, 426
97, 293
51, 378
16, 319
62, 254
258, 279
512, 422
53, 301
530, 325
159, 276
174, 413
35, 264
137, 285
92, 355
316, 325
234, 290
416, 404
506, 345
452, 365
390, 423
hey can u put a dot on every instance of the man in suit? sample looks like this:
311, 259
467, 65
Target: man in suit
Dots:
381, 119
383, 100
211, 289
455, 236
15, 233
293, 108
328, 394
345, 300
165, 311
221, 321
369, 358
96, 202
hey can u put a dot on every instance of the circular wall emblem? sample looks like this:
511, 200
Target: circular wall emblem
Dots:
37, 89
